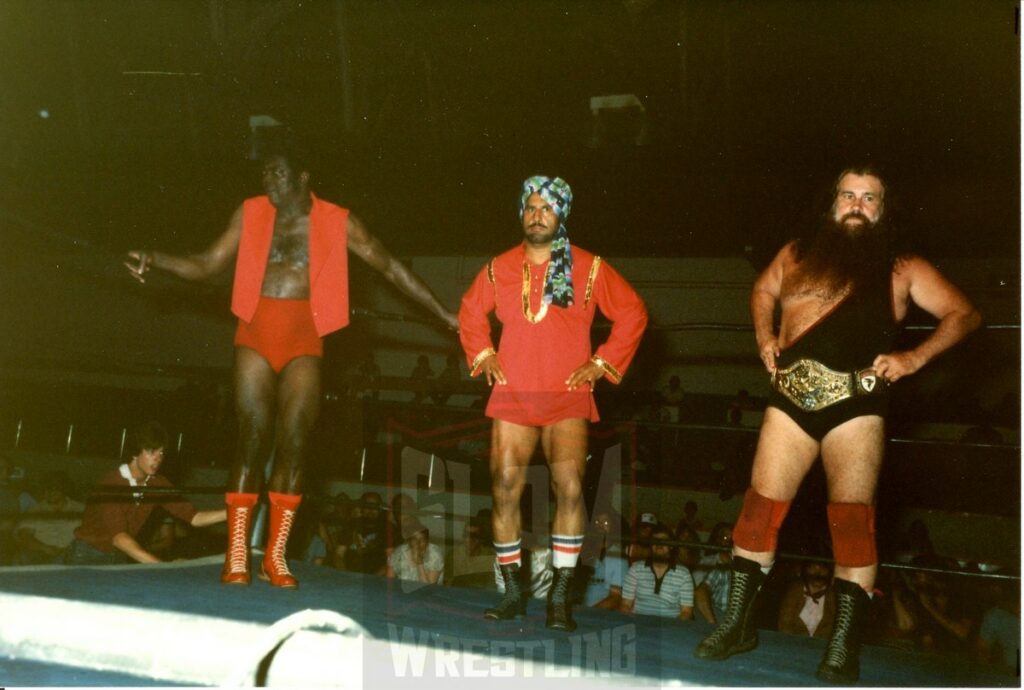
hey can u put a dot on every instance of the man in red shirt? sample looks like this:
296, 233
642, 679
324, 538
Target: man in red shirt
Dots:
290, 290
111, 523
545, 293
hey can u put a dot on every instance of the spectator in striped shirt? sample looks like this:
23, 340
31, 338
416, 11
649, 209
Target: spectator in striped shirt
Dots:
658, 586
712, 576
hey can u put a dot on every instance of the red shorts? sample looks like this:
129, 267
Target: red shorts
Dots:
280, 331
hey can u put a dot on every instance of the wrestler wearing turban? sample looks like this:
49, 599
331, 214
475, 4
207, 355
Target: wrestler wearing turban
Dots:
546, 294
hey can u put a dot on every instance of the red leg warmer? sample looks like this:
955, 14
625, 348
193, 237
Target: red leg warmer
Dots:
757, 528
853, 534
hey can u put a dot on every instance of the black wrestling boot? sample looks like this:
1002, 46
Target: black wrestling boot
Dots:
559, 605
841, 663
736, 633
513, 603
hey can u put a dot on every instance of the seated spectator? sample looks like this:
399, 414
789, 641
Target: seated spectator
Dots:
365, 551
48, 526
333, 533
111, 522
364, 383
808, 606
417, 560
603, 562
639, 549
916, 542
448, 379
472, 558
671, 400
689, 518
421, 375
740, 405
928, 612
658, 586
998, 641
712, 575
689, 556
403, 512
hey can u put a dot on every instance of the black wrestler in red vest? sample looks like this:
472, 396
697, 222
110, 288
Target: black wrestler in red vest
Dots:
290, 290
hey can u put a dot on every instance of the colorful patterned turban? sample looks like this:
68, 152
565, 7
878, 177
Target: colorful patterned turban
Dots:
557, 193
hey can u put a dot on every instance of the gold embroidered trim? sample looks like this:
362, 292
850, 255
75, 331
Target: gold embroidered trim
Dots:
594, 268
608, 368
543, 311
479, 359
490, 279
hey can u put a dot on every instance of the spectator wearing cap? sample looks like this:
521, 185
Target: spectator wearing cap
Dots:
639, 550
416, 559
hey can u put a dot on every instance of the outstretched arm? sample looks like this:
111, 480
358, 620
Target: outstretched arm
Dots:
206, 264
204, 518
369, 249
917, 280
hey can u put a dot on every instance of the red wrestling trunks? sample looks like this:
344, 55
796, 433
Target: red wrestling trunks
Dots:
280, 331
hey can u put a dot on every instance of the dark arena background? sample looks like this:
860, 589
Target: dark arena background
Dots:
697, 137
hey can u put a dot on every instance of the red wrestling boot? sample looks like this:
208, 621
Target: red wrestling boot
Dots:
282, 515
236, 558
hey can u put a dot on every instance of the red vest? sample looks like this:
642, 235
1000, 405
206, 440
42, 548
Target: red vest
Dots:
328, 261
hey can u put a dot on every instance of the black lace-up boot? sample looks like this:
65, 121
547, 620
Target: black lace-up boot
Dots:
513, 603
559, 605
736, 633
841, 663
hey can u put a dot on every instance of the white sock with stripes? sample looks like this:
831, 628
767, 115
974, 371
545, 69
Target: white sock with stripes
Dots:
565, 550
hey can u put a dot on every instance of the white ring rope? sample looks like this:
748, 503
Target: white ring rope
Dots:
276, 635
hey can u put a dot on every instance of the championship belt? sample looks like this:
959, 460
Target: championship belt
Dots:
812, 386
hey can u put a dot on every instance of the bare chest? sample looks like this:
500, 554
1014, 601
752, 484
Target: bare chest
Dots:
289, 246
803, 304
287, 272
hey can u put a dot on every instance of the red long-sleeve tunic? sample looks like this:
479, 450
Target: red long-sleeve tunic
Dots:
540, 349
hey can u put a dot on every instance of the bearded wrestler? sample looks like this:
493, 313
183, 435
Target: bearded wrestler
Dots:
545, 293
842, 296
290, 290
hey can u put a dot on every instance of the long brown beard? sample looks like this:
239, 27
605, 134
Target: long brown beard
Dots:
836, 258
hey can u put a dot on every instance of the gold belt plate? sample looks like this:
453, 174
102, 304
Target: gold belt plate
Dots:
812, 386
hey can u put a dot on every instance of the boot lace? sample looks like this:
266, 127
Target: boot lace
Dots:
733, 610
838, 648
238, 550
560, 588
280, 541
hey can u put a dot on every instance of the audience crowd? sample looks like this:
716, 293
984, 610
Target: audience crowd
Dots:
641, 567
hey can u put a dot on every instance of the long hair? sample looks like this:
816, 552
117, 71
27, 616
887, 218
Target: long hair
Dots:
829, 255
